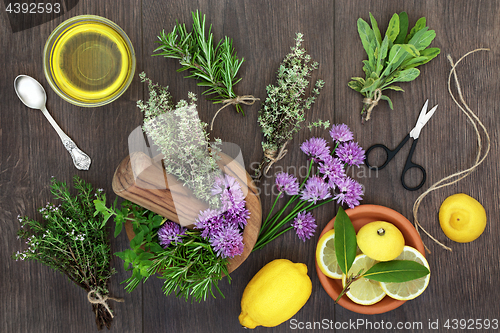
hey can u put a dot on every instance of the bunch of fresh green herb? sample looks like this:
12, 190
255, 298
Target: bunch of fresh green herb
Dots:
73, 241
386, 271
391, 59
214, 65
182, 139
283, 111
190, 268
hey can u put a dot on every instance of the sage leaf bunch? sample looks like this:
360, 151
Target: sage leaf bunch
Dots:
385, 271
392, 58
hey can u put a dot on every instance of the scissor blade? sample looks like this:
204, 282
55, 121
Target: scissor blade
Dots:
423, 118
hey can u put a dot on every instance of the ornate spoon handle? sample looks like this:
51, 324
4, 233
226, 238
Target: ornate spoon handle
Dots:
80, 159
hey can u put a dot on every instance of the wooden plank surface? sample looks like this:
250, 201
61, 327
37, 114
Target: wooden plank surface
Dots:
463, 282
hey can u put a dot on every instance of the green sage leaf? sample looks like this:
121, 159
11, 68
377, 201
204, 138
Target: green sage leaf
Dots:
411, 49
345, 240
421, 23
403, 28
396, 56
386, 98
393, 28
376, 30
422, 38
396, 88
396, 271
407, 75
384, 48
367, 37
355, 85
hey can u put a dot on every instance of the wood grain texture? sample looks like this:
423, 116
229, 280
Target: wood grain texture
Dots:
464, 283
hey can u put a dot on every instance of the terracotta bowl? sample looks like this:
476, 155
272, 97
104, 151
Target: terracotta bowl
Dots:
360, 216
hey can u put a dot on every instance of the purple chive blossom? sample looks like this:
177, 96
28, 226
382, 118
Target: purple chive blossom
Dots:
332, 170
315, 189
350, 192
304, 225
237, 217
228, 242
341, 133
210, 221
170, 232
287, 183
315, 148
351, 153
223, 182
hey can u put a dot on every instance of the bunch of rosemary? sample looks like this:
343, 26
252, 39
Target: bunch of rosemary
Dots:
391, 59
190, 268
74, 242
283, 111
214, 65
182, 139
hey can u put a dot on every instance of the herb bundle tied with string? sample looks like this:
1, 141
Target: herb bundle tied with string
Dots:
215, 66
73, 241
283, 111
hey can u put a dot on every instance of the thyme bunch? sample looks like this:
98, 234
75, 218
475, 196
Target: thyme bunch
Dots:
283, 111
72, 241
214, 65
182, 139
190, 268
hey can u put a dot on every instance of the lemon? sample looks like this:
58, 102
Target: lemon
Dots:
408, 290
363, 291
380, 240
462, 218
277, 292
326, 257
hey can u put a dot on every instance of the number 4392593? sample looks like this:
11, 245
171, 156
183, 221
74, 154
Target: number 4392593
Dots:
33, 8
471, 324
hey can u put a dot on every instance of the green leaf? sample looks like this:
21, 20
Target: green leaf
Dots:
384, 48
413, 62
118, 228
345, 240
403, 28
407, 75
425, 56
396, 271
137, 240
421, 23
355, 85
376, 30
368, 40
396, 56
385, 98
423, 38
411, 49
393, 28
396, 88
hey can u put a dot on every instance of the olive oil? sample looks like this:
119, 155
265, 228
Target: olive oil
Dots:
91, 62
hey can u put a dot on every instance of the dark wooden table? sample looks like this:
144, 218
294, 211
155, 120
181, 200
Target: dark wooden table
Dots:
464, 283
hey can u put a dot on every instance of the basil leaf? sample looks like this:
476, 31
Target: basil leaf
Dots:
407, 75
393, 28
421, 23
345, 240
403, 28
385, 98
423, 38
376, 30
396, 271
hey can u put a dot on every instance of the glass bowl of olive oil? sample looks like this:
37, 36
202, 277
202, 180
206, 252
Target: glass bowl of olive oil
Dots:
89, 61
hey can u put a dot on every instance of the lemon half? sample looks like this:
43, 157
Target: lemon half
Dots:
408, 290
363, 291
326, 256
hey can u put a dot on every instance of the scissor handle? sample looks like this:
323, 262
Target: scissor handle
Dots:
389, 153
410, 165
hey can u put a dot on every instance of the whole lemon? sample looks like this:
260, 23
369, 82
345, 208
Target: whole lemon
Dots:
462, 218
277, 292
380, 240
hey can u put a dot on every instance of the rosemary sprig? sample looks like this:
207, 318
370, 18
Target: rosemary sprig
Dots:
214, 65
190, 268
72, 241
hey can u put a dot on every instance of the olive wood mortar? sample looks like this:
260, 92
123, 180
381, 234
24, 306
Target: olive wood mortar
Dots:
143, 181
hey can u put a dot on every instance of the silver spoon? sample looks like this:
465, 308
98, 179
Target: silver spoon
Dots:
32, 94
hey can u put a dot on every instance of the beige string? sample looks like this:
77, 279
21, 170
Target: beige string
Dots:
372, 102
246, 99
464, 173
102, 300
273, 157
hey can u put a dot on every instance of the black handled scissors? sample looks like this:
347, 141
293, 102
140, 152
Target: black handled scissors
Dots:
423, 118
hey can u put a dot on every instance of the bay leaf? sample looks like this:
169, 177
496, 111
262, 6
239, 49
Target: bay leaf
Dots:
345, 240
396, 271
393, 28
403, 28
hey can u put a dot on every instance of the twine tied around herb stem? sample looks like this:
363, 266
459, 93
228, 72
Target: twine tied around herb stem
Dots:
99, 299
245, 99
474, 119
372, 102
274, 156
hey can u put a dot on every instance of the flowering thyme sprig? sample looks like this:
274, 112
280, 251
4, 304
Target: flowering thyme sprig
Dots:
327, 183
72, 240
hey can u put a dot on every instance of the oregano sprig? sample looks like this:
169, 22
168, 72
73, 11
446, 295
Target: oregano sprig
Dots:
391, 59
